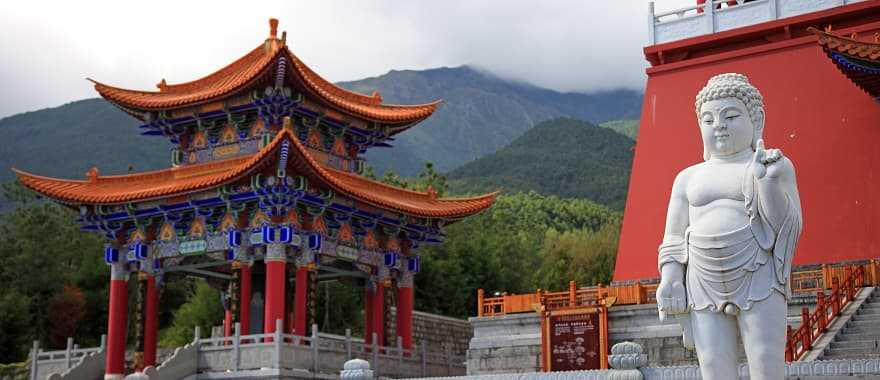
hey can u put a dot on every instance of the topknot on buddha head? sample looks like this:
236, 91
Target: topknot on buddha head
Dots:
733, 85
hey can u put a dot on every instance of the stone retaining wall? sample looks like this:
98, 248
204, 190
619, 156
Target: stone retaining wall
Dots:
512, 343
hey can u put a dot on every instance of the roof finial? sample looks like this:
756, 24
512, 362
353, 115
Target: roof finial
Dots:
162, 85
92, 174
828, 28
432, 194
273, 27
284, 37
854, 36
287, 123
377, 95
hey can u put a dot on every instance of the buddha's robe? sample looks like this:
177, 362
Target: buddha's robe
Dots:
742, 266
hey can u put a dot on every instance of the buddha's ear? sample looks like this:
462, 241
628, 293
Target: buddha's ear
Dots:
758, 122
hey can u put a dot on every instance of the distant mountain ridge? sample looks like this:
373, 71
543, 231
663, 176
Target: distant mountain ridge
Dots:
480, 114
564, 157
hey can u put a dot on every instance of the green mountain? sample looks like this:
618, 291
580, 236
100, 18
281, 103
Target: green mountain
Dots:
66, 141
480, 114
628, 128
564, 157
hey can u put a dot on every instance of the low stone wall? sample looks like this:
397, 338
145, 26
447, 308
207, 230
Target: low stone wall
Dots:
439, 331
505, 344
512, 343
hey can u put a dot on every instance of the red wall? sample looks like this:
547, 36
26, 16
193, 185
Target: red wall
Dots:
826, 125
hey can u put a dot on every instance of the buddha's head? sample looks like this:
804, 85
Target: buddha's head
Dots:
730, 112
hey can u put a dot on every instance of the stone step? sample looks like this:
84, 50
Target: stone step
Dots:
866, 317
863, 330
848, 353
846, 336
875, 324
863, 344
868, 313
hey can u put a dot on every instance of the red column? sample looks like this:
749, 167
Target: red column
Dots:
276, 274
152, 324
300, 307
404, 315
368, 315
379, 314
227, 322
244, 309
114, 364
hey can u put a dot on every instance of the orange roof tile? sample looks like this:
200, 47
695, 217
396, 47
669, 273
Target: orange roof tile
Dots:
848, 46
247, 70
192, 178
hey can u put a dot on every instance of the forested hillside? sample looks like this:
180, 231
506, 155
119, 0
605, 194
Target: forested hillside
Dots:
564, 157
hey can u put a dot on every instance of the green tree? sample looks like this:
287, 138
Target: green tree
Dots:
584, 256
203, 309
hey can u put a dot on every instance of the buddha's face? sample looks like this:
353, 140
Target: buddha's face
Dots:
726, 127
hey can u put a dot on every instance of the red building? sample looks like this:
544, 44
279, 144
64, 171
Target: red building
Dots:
266, 186
820, 94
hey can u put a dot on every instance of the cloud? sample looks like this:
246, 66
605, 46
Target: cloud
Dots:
567, 45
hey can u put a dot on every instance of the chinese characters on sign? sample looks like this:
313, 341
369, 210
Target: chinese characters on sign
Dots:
574, 340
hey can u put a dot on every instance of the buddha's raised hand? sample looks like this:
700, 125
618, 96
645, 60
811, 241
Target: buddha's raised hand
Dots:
767, 161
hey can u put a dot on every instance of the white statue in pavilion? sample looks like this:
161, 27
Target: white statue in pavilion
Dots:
731, 230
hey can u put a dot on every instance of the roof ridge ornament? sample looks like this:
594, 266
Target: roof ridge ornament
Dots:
162, 85
92, 174
273, 28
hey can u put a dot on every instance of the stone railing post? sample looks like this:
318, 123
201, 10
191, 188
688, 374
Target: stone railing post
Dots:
197, 335
347, 344
35, 354
376, 353
709, 14
625, 359
399, 356
651, 24
279, 328
67, 353
236, 345
572, 288
315, 348
356, 369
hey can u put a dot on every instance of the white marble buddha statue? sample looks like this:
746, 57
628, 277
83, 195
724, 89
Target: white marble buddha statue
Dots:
731, 230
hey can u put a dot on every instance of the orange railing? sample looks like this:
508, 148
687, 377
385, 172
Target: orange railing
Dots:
827, 308
806, 281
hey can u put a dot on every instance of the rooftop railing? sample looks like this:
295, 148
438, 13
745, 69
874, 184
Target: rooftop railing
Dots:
720, 15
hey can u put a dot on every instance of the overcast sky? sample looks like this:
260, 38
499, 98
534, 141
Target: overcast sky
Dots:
48, 48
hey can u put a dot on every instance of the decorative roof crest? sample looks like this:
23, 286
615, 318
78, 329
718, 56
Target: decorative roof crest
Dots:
92, 174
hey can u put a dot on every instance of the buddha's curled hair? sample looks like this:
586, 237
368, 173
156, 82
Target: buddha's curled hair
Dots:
732, 85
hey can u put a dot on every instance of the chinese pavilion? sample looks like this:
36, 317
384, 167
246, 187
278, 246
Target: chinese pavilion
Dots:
265, 184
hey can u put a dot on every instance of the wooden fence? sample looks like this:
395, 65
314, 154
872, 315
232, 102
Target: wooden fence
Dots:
806, 281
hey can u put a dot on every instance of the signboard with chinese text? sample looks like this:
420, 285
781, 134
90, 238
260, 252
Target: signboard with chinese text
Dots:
575, 339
